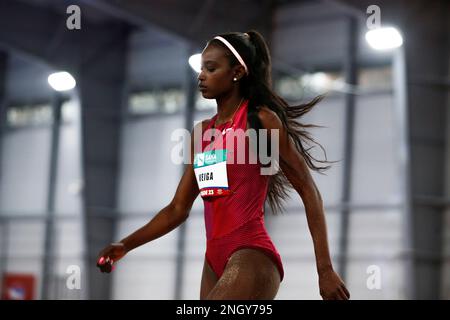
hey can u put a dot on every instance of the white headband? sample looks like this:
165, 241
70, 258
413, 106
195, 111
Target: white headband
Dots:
233, 50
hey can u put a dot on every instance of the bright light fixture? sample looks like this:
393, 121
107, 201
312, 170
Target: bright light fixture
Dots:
195, 61
61, 81
384, 38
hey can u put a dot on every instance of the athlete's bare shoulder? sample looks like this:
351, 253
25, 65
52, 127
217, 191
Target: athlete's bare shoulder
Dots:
197, 132
269, 118
205, 123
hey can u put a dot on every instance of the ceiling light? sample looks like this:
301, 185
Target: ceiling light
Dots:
61, 81
384, 38
195, 61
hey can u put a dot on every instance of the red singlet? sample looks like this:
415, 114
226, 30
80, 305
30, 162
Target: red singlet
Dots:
236, 220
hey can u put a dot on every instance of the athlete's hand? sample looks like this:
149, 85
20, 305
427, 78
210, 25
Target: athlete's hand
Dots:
332, 287
110, 255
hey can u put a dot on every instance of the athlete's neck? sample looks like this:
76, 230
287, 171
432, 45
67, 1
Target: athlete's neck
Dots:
226, 107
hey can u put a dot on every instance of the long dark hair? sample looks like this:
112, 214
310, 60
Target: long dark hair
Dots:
257, 87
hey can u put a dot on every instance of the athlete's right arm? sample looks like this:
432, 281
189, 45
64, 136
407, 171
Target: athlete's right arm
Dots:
170, 217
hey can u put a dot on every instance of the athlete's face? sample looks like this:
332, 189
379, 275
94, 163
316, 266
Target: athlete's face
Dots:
216, 76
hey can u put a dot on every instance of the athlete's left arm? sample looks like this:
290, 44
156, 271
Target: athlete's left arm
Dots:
297, 172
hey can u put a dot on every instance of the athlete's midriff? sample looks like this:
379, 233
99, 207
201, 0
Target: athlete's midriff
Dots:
236, 220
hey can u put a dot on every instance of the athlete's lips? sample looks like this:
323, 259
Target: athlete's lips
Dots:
202, 88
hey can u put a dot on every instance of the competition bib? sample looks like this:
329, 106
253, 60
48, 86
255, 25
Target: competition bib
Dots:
211, 173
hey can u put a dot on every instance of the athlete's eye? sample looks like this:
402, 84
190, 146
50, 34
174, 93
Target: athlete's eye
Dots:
209, 69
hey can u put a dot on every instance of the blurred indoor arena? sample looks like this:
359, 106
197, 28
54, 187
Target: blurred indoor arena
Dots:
92, 92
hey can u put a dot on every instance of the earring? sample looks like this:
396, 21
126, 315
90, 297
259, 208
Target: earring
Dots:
235, 79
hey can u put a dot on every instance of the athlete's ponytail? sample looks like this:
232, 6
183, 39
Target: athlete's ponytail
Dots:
262, 62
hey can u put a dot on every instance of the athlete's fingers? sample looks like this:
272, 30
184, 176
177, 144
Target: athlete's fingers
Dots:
341, 294
347, 293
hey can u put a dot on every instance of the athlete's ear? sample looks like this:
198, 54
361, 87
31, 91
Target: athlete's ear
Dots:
238, 72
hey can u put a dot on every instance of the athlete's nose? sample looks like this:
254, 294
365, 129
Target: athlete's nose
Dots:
201, 77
